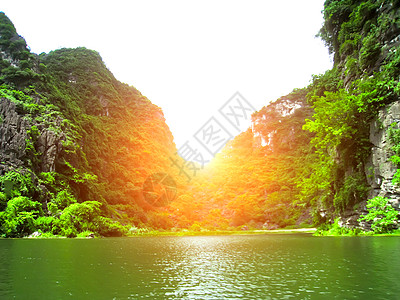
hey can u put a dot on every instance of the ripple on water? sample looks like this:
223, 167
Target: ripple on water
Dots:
217, 267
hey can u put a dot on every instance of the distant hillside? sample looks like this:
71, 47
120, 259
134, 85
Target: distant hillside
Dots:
84, 154
326, 149
76, 145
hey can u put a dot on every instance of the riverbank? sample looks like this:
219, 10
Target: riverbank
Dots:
312, 231
335, 229
354, 233
225, 232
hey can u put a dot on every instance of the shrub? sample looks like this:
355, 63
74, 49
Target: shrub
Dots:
382, 215
18, 219
44, 224
108, 227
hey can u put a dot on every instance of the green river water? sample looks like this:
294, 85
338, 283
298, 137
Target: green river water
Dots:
201, 267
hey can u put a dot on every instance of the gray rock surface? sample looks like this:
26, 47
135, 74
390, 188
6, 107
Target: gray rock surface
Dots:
14, 128
49, 146
13, 135
379, 169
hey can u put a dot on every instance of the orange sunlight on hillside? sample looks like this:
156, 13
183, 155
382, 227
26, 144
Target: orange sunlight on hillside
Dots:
248, 185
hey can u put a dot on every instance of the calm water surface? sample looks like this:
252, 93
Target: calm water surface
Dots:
208, 267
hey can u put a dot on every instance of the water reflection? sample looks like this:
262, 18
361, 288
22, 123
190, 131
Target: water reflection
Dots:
214, 267
5, 268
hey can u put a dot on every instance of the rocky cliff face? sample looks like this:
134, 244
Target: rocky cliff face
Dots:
13, 133
70, 133
278, 126
379, 168
18, 70
364, 38
24, 150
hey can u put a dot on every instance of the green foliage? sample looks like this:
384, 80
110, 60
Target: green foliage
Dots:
346, 99
23, 101
394, 137
346, 23
45, 224
32, 134
108, 117
48, 178
382, 215
79, 217
370, 50
22, 216
330, 81
18, 219
85, 234
249, 183
3, 201
109, 138
316, 188
333, 119
108, 227
341, 144
353, 190
336, 230
64, 199
17, 65
17, 183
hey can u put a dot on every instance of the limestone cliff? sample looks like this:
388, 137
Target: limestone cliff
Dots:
16, 137
13, 133
380, 169
75, 143
364, 38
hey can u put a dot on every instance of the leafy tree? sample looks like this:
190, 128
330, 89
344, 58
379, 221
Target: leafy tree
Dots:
382, 215
333, 119
18, 219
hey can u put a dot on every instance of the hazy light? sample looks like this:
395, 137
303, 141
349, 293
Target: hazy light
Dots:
188, 57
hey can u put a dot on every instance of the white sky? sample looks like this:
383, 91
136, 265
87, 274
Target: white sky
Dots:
188, 57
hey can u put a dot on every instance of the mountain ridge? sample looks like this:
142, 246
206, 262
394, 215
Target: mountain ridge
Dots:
78, 147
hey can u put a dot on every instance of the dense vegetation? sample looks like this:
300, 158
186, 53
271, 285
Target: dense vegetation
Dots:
323, 168
362, 35
107, 140
254, 185
92, 144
